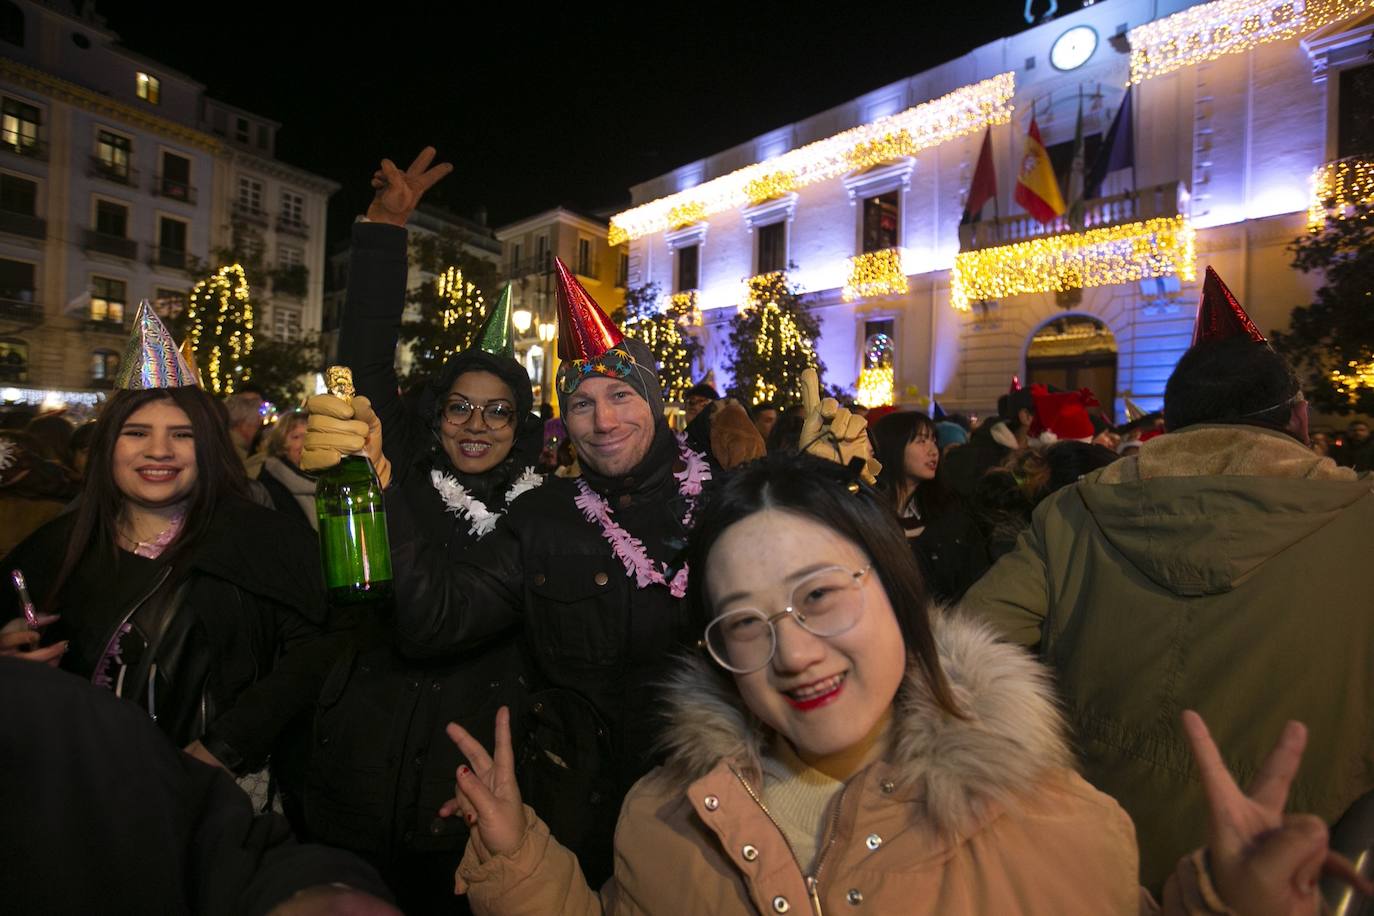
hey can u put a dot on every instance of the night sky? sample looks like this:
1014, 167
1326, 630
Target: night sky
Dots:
537, 109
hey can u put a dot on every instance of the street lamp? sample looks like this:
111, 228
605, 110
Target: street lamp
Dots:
522, 319
547, 331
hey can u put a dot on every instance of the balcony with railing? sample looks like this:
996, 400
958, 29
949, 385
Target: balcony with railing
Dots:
116, 245
1339, 188
292, 226
250, 214
24, 144
110, 170
174, 190
290, 280
19, 305
539, 264
25, 224
174, 258
1122, 238
1158, 201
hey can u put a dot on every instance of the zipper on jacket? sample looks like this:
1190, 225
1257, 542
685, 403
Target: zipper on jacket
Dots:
813, 884
162, 577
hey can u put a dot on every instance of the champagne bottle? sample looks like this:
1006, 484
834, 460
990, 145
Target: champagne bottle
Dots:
354, 547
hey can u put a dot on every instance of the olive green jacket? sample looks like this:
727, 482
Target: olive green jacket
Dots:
1224, 569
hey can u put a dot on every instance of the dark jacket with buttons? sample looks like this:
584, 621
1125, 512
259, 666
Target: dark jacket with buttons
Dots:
382, 763
597, 643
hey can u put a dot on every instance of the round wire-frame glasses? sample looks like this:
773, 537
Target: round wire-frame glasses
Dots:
826, 603
495, 414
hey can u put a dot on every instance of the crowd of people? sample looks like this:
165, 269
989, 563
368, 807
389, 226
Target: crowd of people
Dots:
785, 657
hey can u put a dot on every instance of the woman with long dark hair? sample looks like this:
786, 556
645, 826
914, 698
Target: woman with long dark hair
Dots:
947, 542
175, 592
837, 747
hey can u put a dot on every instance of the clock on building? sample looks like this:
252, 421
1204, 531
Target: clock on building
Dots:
1072, 49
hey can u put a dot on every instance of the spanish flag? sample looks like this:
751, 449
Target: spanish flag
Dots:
1037, 190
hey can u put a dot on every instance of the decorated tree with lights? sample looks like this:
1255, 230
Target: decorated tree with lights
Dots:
772, 340
219, 325
1331, 341
450, 309
664, 333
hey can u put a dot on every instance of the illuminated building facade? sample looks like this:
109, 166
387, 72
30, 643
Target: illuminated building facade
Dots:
119, 180
1241, 109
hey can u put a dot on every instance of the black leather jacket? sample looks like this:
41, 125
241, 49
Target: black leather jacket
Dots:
230, 647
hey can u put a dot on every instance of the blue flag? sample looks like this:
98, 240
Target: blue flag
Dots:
1118, 149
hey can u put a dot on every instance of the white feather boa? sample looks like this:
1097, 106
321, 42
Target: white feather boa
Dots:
463, 503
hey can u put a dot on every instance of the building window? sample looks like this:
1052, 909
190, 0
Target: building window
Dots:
584, 258
241, 130
171, 243
18, 195
11, 23
169, 303
104, 366
175, 181
108, 297
688, 268
111, 219
622, 275
287, 256
114, 153
515, 253
772, 247
286, 323
250, 196
880, 222
292, 210
19, 125
14, 360
541, 251
16, 282
1355, 120
149, 88
264, 137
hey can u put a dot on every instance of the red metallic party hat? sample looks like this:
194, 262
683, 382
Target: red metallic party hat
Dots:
1219, 315
1015, 384
584, 330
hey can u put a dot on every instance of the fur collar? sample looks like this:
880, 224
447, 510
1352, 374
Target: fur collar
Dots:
1212, 450
959, 768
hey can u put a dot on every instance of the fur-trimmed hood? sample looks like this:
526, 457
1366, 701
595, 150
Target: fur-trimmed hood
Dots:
1012, 735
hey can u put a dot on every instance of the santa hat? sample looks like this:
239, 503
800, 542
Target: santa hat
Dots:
590, 345
498, 336
151, 358
1219, 315
1062, 415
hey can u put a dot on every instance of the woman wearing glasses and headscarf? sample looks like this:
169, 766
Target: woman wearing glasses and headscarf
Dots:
838, 748
457, 452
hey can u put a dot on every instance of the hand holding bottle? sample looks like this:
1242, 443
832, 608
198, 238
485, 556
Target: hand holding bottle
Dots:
336, 428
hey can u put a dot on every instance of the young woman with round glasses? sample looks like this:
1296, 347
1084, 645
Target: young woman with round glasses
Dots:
838, 749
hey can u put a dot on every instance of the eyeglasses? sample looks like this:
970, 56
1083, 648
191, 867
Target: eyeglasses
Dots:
497, 414
826, 604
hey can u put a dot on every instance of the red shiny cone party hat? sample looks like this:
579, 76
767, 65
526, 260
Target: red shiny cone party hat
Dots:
584, 330
1219, 315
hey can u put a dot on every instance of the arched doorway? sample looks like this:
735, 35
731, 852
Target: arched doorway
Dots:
1072, 352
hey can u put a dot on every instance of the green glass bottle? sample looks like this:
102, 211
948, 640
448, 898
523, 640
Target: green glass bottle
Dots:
354, 547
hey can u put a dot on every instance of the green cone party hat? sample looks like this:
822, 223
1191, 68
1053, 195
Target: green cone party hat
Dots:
498, 336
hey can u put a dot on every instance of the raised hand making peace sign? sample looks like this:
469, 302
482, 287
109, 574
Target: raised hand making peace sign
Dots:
832, 432
398, 193
487, 795
1262, 861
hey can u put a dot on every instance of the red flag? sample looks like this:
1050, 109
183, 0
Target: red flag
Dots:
984, 185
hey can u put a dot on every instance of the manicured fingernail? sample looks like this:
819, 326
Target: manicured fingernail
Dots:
463, 771
472, 818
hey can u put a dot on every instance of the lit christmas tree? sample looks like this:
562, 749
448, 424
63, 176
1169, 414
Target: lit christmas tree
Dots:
452, 311
219, 322
664, 333
772, 339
